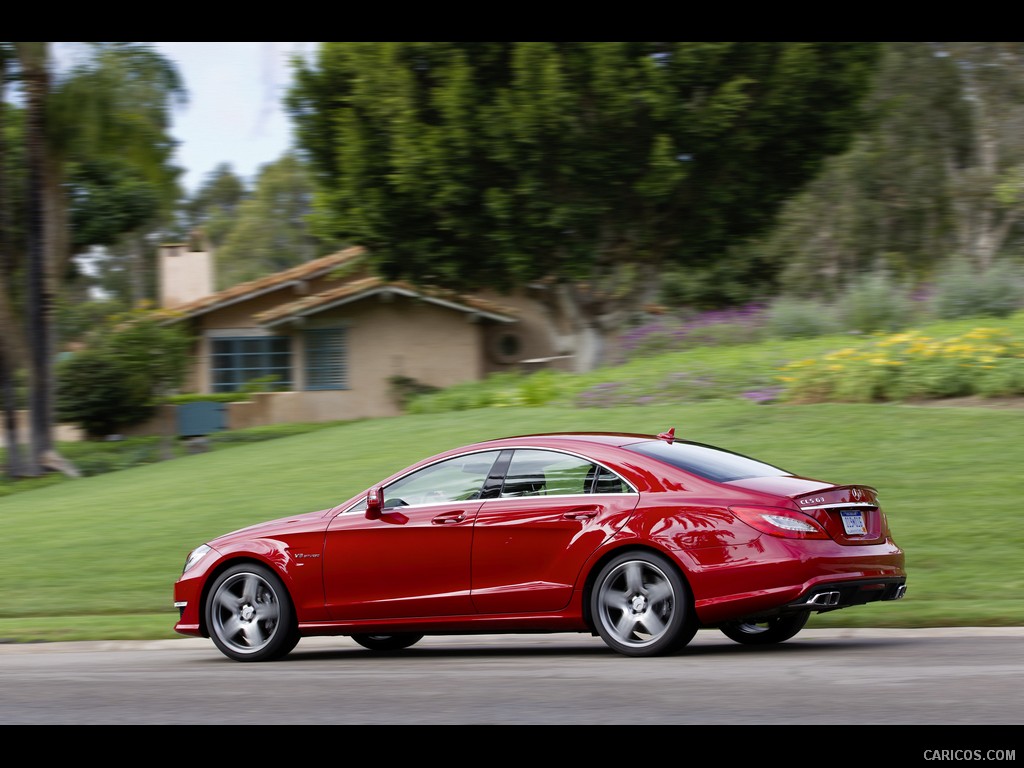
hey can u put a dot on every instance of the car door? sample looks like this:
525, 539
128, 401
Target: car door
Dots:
531, 540
414, 559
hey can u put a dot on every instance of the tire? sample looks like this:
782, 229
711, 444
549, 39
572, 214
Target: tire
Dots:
397, 642
641, 605
249, 614
769, 632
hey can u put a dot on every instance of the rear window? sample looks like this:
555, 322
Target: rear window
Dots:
712, 463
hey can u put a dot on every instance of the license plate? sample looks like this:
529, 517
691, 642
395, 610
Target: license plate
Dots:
853, 522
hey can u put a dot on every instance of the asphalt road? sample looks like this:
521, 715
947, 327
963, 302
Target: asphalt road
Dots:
847, 677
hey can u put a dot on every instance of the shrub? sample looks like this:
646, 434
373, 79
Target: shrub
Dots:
1005, 380
875, 302
541, 387
101, 394
270, 383
741, 325
117, 380
405, 388
963, 292
909, 366
789, 318
212, 397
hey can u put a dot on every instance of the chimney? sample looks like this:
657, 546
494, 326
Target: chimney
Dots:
185, 274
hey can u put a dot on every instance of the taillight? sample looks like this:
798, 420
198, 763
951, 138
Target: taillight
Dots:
785, 523
886, 533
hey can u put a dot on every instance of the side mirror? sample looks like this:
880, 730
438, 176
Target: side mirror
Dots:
374, 502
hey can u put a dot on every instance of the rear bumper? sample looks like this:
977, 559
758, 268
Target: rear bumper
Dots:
843, 594
821, 597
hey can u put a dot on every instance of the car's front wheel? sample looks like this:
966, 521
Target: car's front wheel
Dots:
641, 605
395, 642
769, 632
249, 614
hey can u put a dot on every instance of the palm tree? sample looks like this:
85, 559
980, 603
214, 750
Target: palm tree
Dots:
113, 104
39, 294
11, 352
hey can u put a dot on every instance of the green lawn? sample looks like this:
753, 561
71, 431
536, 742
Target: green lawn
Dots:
96, 557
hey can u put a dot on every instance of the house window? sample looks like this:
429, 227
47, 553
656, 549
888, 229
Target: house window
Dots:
238, 360
326, 357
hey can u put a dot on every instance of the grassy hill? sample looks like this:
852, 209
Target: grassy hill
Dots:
96, 557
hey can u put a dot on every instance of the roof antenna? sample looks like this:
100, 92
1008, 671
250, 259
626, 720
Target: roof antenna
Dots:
669, 436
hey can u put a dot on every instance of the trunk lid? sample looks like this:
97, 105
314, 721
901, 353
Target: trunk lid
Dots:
850, 513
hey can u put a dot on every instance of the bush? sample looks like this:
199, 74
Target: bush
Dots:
741, 325
213, 397
99, 393
405, 388
118, 378
801, 319
541, 387
875, 303
962, 292
911, 366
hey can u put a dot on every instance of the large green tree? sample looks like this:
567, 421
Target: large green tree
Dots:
887, 202
213, 209
110, 112
988, 189
938, 178
496, 164
254, 233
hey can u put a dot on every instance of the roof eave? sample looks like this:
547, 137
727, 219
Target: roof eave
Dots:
388, 290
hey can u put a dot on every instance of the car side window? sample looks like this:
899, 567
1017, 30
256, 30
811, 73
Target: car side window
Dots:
456, 479
603, 480
535, 472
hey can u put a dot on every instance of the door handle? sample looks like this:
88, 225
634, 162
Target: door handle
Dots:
449, 518
581, 513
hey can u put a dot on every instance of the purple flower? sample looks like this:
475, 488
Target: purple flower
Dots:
763, 396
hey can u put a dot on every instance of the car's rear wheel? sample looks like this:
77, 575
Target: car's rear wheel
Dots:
396, 642
641, 605
249, 614
769, 632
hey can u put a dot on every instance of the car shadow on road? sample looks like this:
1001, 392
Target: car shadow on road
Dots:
585, 648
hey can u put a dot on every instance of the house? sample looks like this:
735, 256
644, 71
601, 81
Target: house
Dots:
332, 337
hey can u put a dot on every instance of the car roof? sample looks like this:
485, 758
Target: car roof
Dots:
565, 439
598, 445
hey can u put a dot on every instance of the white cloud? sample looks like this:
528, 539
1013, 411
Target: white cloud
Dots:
234, 113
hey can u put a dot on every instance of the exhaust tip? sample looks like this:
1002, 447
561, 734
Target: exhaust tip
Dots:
824, 598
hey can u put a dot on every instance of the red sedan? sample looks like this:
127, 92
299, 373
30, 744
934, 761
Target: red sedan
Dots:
639, 539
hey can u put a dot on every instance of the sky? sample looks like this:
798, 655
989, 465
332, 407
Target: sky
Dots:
234, 113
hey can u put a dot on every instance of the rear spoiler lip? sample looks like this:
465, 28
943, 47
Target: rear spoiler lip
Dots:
839, 505
822, 503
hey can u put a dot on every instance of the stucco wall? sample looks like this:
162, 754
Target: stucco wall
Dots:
386, 336
527, 345
400, 336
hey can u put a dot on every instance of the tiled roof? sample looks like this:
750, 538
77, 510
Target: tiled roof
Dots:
350, 289
356, 290
242, 291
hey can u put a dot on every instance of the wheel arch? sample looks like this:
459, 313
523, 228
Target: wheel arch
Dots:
594, 569
223, 565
